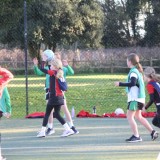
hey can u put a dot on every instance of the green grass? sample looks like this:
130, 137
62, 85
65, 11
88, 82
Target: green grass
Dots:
85, 91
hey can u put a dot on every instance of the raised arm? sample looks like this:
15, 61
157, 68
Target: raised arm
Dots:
37, 71
67, 69
42, 67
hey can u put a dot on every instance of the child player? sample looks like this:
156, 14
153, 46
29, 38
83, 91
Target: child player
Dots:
153, 88
56, 97
67, 71
136, 98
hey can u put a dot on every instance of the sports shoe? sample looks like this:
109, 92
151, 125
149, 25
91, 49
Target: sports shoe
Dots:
133, 139
74, 130
2, 158
154, 135
50, 131
41, 134
67, 133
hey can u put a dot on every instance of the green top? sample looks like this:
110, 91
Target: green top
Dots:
5, 102
67, 71
140, 82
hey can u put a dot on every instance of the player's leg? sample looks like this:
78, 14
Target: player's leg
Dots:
132, 107
50, 130
145, 123
135, 137
67, 130
42, 132
156, 121
68, 117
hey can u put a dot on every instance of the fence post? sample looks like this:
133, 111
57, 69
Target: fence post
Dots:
25, 50
151, 61
73, 64
112, 64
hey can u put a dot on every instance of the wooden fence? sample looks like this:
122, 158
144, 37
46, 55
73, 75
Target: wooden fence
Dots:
114, 65
110, 66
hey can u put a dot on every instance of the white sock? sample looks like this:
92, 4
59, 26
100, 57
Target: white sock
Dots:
66, 127
43, 129
50, 125
70, 124
136, 136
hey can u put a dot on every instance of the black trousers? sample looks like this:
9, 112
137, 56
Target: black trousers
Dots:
156, 121
54, 102
56, 113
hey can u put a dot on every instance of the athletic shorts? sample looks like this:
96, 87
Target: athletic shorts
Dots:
56, 100
134, 105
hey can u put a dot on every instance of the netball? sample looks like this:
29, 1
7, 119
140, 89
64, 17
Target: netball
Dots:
119, 111
49, 54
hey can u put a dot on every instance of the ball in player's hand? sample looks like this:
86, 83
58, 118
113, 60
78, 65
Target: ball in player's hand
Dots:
49, 54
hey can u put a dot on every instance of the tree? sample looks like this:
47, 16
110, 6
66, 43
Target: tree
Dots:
122, 27
116, 31
92, 18
152, 24
10, 14
132, 10
52, 22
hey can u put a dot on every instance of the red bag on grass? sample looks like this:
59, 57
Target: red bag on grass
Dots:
36, 115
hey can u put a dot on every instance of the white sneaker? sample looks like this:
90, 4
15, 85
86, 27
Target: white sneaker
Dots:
50, 131
2, 158
67, 133
41, 134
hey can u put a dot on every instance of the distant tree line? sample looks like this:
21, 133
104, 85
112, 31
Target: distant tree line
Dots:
89, 24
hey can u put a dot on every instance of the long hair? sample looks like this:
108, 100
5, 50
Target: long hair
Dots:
151, 73
58, 64
134, 58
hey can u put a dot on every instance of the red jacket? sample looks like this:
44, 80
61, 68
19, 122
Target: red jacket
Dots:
5, 77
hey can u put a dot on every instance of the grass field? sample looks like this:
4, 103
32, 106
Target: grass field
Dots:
85, 91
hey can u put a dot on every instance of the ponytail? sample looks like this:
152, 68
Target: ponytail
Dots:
139, 67
59, 74
58, 64
155, 77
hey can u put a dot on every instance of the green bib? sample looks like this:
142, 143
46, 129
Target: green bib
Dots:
140, 82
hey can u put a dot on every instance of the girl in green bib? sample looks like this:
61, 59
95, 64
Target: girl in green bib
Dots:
135, 89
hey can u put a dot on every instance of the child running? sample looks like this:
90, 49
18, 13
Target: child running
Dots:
153, 88
67, 70
56, 98
5, 103
136, 98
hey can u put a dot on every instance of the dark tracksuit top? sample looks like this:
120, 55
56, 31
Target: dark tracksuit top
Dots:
154, 98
